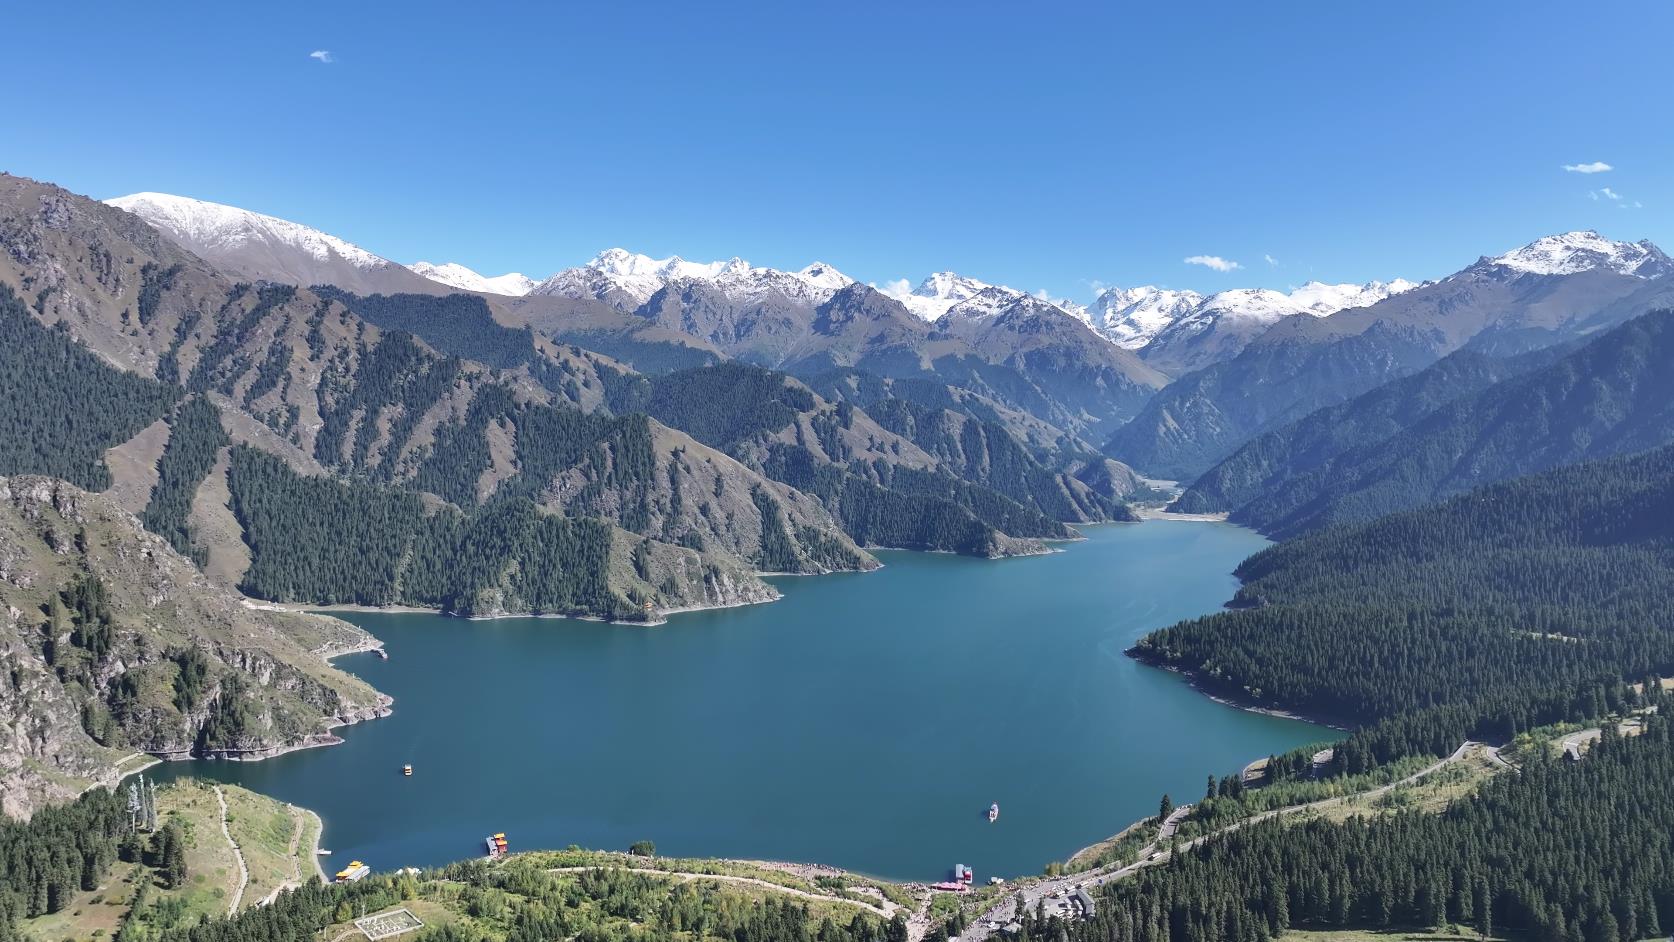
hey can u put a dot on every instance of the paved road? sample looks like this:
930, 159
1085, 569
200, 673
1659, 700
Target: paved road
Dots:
1157, 852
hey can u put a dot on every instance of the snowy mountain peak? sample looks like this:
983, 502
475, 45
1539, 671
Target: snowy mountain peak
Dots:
455, 275
637, 277
1135, 317
1570, 253
1132, 316
622, 263
825, 276
219, 228
936, 294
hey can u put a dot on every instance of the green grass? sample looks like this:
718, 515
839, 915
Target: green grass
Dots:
263, 829
1123, 848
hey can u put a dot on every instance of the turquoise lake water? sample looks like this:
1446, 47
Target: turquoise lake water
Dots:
864, 721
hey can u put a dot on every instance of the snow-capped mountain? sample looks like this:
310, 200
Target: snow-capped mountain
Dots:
455, 275
1570, 253
261, 247
629, 279
1132, 316
1221, 325
935, 294
1137, 317
1321, 299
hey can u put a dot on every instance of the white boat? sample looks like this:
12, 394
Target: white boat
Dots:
993, 812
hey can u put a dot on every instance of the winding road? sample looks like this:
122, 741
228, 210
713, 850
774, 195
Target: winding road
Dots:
1158, 851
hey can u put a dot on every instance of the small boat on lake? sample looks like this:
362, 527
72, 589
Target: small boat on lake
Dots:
993, 812
406, 770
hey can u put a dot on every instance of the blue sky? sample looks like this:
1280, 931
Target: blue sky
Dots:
1049, 146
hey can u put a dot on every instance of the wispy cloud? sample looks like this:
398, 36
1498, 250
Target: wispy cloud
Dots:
1212, 261
1271, 260
322, 55
1597, 166
1622, 202
1054, 300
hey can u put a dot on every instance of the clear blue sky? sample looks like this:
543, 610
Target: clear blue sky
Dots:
1046, 146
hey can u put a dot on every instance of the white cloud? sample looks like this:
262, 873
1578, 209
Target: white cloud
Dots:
899, 288
1608, 194
1271, 260
323, 55
1212, 261
1633, 205
1597, 166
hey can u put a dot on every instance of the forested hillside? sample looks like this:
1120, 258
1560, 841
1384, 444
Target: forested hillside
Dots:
1614, 396
60, 405
322, 540
1270, 461
1559, 851
1513, 606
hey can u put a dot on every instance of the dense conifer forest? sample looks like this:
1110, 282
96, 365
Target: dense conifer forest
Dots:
456, 324
1514, 606
57, 853
61, 406
195, 437
331, 541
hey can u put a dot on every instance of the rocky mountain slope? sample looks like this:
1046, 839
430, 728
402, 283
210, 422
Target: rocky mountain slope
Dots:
1304, 363
115, 644
1220, 326
301, 376
458, 427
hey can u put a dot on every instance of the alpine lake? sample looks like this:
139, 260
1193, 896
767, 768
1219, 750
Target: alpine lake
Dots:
865, 721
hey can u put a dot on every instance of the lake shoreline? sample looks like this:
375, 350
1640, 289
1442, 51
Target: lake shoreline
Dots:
1224, 697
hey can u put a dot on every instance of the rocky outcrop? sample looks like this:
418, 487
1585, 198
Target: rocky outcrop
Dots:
115, 644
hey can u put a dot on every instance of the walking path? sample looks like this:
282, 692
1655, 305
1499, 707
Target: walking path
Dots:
243, 871
747, 881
